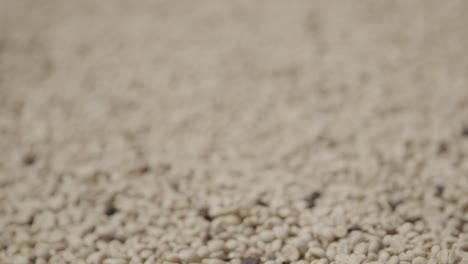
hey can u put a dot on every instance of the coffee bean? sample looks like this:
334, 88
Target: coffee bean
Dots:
29, 159
203, 212
251, 260
110, 210
439, 190
311, 199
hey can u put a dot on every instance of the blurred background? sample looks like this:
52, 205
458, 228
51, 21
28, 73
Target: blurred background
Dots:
218, 78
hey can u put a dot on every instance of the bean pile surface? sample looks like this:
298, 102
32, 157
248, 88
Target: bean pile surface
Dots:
236, 132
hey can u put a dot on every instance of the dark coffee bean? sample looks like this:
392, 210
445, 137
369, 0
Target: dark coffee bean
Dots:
251, 260
30, 221
254, 226
311, 199
110, 210
174, 186
443, 147
412, 219
354, 228
29, 159
260, 202
107, 237
465, 132
144, 169
203, 212
207, 236
391, 231
394, 204
439, 190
